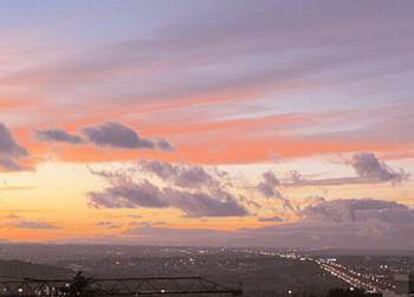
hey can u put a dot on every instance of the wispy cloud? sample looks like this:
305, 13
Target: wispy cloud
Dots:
367, 166
25, 224
108, 225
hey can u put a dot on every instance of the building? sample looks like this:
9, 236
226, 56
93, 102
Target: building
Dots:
401, 282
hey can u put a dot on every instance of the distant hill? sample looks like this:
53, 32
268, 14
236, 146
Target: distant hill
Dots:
19, 269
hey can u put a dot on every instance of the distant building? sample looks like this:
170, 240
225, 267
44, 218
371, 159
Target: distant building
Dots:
411, 283
401, 283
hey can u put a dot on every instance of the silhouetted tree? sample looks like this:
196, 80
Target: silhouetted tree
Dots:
81, 286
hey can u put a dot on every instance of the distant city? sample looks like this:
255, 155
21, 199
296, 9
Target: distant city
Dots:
261, 272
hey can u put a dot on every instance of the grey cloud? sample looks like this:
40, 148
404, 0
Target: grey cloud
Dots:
198, 204
129, 195
368, 166
271, 219
164, 145
358, 210
193, 176
58, 135
10, 164
296, 179
27, 224
270, 178
268, 188
268, 185
8, 145
108, 224
363, 223
348, 223
180, 175
10, 150
219, 204
162, 170
188, 188
352, 223
115, 135
269, 191
251, 203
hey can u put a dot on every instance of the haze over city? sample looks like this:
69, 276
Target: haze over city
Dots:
208, 123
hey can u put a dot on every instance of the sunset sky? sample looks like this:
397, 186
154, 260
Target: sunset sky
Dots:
266, 123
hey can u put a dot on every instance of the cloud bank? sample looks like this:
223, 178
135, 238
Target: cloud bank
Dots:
348, 223
190, 189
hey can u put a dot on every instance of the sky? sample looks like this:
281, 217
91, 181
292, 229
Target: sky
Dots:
236, 123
